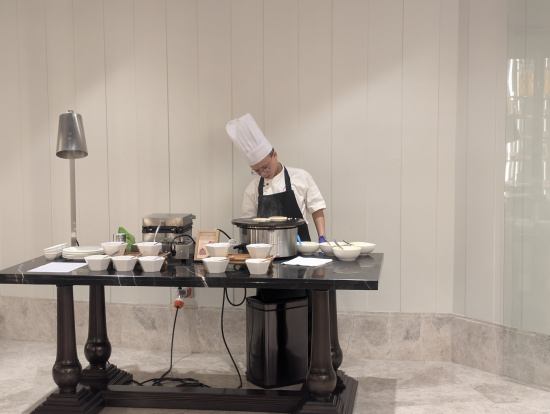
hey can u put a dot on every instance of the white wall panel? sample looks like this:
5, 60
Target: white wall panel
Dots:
11, 157
214, 112
35, 139
247, 84
121, 100
384, 107
281, 77
480, 197
315, 97
446, 150
183, 106
419, 155
349, 120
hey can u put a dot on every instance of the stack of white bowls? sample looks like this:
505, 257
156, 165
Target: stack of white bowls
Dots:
54, 252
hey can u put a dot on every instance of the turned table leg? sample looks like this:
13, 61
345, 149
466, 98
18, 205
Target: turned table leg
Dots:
335, 349
99, 374
67, 371
321, 377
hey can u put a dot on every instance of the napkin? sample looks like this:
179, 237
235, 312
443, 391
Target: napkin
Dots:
307, 261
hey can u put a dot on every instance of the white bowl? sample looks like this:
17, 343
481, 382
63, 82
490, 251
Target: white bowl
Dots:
114, 248
149, 248
55, 248
151, 263
124, 263
307, 247
347, 253
217, 249
257, 266
366, 248
326, 248
216, 264
258, 250
98, 262
53, 254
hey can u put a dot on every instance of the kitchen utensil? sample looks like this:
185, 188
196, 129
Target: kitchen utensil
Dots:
337, 244
281, 234
258, 250
151, 263
217, 249
348, 243
216, 264
257, 266
308, 247
149, 248
299, 240
98, 262
366, 248
124, 263
347, 253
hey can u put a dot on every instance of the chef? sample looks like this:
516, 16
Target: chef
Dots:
277, 190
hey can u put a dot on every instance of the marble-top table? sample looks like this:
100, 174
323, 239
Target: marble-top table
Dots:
326, 389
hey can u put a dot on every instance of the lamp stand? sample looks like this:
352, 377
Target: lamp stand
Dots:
73, 204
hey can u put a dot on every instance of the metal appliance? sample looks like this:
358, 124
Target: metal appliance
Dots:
281, 234
173, 230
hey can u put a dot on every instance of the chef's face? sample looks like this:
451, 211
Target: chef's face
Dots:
267, 168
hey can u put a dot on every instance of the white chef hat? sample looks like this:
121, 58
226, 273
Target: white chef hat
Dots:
249, 138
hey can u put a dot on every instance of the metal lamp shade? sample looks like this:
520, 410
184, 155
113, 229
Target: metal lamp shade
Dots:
71, 141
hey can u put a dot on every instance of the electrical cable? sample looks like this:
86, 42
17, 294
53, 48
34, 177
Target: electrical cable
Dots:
223, 335
226, 235
183, 382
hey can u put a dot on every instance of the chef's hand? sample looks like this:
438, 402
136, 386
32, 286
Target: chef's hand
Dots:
322, 239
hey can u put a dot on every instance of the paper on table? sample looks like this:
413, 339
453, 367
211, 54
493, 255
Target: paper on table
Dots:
58, 267
307, 261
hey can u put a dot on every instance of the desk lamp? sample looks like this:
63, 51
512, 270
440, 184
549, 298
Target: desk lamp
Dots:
71, 144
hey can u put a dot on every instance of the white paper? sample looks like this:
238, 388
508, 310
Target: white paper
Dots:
307, 261
58, 267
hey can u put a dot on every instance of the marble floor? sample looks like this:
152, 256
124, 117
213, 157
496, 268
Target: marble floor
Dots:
384, 386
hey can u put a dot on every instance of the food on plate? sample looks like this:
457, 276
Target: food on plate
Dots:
261, 219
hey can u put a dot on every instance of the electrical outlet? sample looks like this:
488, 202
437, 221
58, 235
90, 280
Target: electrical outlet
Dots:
184, 292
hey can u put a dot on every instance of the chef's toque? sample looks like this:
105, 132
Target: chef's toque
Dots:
249, 138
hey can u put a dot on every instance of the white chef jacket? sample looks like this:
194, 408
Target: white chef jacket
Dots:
307, 193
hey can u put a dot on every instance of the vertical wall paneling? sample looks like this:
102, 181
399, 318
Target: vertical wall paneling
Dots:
384, 105
120, 75
93, 178
315, 96
446, 150
349, 120
61, 97
35, 136
500, 11
247, 83
183, 107
281, 77
480, 197
11, 157
214, 59
214, 113
152, 168
459, 268
419, 155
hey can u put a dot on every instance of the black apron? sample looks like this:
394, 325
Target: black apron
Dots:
281, 204
284, 204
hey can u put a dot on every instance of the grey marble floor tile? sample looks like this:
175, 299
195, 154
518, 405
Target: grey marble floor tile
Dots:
385, 387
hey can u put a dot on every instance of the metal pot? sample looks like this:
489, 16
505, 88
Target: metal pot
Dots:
281, 234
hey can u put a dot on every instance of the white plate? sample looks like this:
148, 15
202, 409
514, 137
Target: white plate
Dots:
80, 252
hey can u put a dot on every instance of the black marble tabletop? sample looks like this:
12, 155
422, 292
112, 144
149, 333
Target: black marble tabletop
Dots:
360, 274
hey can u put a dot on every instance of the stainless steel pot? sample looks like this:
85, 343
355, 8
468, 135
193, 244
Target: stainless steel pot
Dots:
281, 234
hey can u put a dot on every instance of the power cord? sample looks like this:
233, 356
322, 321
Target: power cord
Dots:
183, 382
223, 335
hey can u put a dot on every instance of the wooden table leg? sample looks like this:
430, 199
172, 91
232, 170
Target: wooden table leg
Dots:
67, 370
331, 391
99, 374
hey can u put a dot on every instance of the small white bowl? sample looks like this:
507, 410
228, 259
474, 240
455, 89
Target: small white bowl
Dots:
217, 249
347, 253
114, 248
124, 263
366, 248
98, 262
326, 248
149, 248
257, 266
307, 247
216, 264
52, 255
258, 250
151, 263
